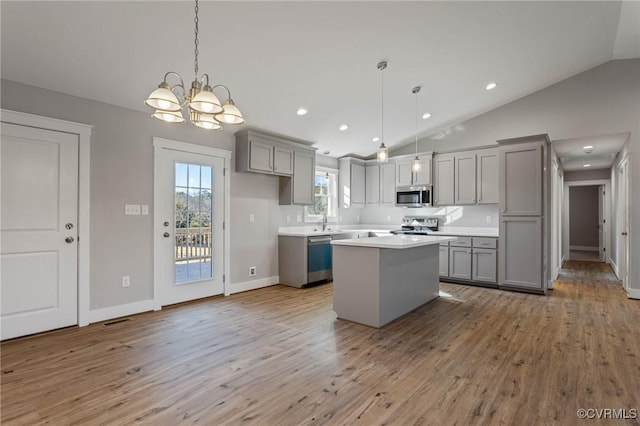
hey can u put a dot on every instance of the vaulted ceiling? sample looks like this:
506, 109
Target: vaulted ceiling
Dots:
279, 56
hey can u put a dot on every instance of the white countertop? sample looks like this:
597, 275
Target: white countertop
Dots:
309, 231
466, 231
394, 241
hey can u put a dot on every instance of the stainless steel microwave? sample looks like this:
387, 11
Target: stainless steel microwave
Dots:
413, 196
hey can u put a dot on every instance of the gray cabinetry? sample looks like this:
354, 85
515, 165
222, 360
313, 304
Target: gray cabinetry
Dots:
487, 181
521, 179
372, 184
443, 265
405, 176
264, 154
388, 184
484, 263
443, 176
352, 182
465, 178
299, 188
460, 262
522, 195
521, 252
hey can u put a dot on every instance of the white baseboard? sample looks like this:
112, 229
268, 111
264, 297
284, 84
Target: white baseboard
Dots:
103, 314
633, 293
615, 268
584, 248
253, 284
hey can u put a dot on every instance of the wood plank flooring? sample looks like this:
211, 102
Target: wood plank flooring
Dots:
278, 356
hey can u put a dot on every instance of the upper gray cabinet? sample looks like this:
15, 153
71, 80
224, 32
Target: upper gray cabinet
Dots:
264, 154
487, 181
521, 179
466, 177
352, 182
372, 184
293, 162
443, 177
380, 183
405, 176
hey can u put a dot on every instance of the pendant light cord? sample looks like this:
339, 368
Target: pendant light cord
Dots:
416, 117
195, 20
382, 106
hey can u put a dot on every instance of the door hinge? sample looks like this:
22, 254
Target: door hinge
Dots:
604, 221
604, 249
224, 172
224, 225
224, 277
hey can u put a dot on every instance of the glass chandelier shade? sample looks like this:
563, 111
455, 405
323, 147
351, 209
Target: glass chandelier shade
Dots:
204, 107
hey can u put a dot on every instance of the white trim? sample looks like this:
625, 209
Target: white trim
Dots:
84, 194
584, 248
103, 314
615, 268
158, 145
254, 284
633, 293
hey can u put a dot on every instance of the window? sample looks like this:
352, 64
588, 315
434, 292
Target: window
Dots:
325, 195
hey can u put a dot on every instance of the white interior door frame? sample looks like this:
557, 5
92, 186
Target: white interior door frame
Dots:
158, 145
565, 213
84, 193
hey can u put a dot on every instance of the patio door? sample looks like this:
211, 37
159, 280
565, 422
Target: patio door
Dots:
39, 222
189, 216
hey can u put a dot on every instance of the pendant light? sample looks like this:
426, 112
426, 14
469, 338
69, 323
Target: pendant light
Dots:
205, 109
416, 166
383, 152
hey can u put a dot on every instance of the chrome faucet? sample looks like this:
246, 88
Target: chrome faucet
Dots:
324, 222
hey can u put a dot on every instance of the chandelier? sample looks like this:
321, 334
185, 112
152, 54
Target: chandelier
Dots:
205, 109
415, 163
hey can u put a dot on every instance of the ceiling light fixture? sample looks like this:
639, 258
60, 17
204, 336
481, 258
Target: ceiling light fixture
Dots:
586, 165
588, 149
491, 86
383, 152
426, 115
376, 139
205, 109
415, 163
302, 111
343, 127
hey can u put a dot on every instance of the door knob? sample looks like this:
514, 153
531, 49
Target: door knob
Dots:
166, 235
69, 240
624, 233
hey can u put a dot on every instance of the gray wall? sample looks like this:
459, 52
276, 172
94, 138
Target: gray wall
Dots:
603, 100
583, 216
574, 175
447, 216
122, 172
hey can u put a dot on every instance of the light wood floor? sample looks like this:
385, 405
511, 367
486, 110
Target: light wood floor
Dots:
278, 356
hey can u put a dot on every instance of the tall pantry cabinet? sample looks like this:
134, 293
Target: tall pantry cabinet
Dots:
524, 203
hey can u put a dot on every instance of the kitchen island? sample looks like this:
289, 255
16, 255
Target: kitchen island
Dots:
376, 280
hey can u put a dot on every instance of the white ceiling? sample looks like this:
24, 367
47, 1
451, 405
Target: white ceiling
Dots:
278, 56
605, 147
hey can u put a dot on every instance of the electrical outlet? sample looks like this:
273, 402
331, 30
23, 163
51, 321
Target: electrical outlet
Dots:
488, 219
252, 271
388, 218
252, 218
288, 218
145, 209
358, 219
126, 281
299, 218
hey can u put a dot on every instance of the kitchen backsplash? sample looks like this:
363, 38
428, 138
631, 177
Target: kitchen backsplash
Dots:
467, 216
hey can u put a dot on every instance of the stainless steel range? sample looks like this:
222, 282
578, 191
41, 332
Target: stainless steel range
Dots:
417, 225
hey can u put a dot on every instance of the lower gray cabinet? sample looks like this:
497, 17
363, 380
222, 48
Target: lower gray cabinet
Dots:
484, 265
521, 253
460, 262
443, 267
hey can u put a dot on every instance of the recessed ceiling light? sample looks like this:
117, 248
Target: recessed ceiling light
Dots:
491, 86
343, 127
302, 111
376, 139
586, 165
588, 149
327, 152
426, 115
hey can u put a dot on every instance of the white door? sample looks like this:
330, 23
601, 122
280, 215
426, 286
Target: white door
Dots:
624, 224
189, 215
38, 226
601, 223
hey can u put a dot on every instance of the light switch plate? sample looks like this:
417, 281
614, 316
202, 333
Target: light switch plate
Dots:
252, 218
132, 209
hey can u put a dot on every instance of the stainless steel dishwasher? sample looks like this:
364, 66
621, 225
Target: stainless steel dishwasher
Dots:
319, 262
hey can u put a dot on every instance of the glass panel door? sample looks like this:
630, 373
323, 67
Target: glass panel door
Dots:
192, 217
